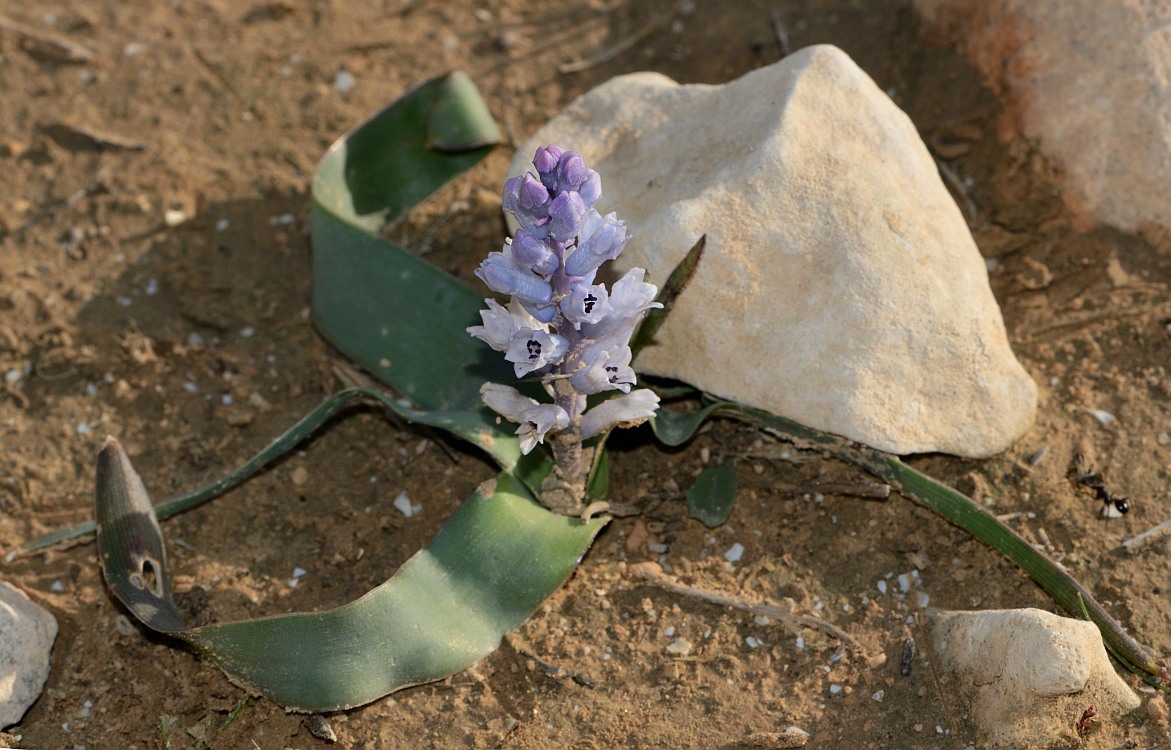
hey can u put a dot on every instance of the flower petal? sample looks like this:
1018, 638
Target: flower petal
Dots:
629, 410
532, 350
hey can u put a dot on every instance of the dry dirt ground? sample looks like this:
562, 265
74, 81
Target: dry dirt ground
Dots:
191, 344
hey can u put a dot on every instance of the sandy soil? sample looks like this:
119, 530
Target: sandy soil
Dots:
114, 322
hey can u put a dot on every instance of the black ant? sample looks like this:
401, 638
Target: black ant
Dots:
1094, 481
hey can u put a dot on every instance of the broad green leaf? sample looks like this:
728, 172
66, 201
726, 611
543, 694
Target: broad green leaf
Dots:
712, 496
396, 315
497, 558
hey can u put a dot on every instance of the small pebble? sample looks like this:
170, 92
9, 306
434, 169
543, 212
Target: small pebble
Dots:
300, 476
879, 696
1104, 418
1164, 438
403, 504
679, 647
344, 81
734, 553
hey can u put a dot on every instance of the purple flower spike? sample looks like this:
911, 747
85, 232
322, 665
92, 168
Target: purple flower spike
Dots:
560, 326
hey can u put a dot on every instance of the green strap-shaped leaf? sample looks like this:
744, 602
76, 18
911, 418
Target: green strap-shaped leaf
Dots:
397, 316
951, 505
680, 277
497, 558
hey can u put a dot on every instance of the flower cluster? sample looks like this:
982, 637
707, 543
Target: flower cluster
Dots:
559, 325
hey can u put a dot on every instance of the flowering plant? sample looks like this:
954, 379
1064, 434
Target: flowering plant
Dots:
559, 326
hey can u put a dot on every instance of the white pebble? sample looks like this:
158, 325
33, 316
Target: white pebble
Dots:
403, 504
132, 49
83, 428
1104, 418
923, 598
1164, 438
734, 553
835, 689
173, 217
190, 387
669, 632
680, 647
761, 620
298, 572
248, 332
879, 695
800, 643
13, 376
57, 587
152, 287
222, 225
752, 642
344, 81
904, 582
124, 301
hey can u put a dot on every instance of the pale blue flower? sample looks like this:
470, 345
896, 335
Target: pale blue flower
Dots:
604, 370
501, 323
532, 350
586, 303
536, 419
628, 410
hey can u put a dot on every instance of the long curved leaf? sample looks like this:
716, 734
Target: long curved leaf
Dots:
448, 606
396, 315
953, 506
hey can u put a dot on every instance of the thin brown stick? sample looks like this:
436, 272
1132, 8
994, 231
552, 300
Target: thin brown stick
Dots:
654, 575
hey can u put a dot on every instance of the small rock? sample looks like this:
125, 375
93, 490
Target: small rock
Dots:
792, 737
300, 476
29, 631
680, 647
835, 253
1027, 672
1088, 80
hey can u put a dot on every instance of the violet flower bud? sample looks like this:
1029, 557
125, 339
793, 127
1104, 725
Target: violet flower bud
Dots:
502, 274
602, 239
545, 161
565, 216
529, 251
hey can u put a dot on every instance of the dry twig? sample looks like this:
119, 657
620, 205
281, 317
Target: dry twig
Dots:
654, 575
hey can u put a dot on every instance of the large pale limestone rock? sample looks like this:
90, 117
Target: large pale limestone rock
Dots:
1091, 81
27, 631
841, 286
1029, 674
